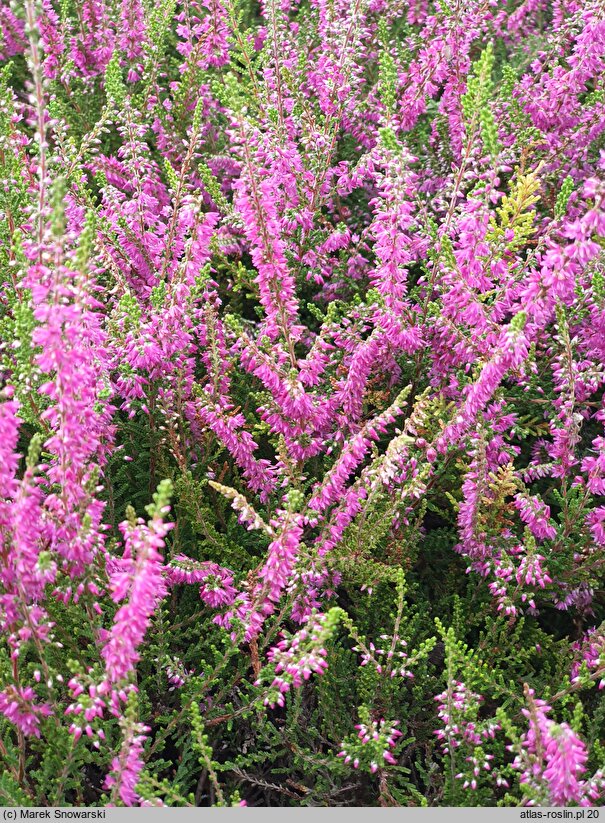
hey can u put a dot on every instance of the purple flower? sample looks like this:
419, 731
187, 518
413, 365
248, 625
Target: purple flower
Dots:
127, 766
19, 706
137, 579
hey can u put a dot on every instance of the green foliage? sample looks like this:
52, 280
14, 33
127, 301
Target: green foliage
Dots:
388, 71
563, 197
514, 214
476, 102
114, 84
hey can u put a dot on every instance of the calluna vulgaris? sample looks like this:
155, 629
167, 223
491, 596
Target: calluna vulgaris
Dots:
302, 361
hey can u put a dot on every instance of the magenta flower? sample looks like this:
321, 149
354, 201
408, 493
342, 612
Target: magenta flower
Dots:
127, 766
137, 579
553, 759
20, 707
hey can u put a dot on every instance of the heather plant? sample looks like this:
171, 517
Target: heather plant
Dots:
302, 463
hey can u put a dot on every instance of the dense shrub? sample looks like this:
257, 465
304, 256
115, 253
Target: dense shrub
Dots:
302, 464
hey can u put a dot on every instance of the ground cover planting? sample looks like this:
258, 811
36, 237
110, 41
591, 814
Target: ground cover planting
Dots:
302, 359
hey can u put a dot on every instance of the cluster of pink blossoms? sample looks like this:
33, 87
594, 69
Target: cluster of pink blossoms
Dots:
590, 653
345, 257
458, 708
127, 765
374, 744
216, 589
463, 732
295, 658
20, 707
392, 659
552, 759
